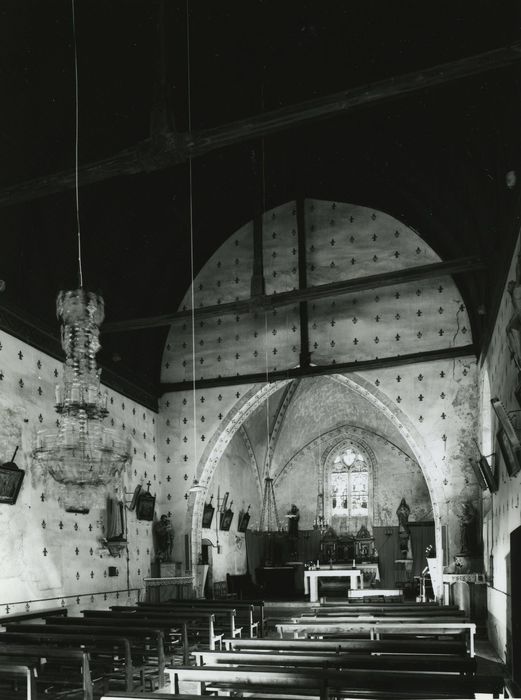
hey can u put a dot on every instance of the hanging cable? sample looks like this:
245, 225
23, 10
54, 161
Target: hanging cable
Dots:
191, 226
76, 143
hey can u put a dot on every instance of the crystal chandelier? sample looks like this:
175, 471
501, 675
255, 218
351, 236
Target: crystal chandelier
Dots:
81, 451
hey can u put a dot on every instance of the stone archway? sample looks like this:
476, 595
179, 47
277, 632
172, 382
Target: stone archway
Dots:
257, 395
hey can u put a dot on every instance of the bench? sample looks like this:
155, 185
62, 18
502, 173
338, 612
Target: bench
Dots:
146, 643
224, 617
110, 656
57, 671
32, 615
239, 605
463, 665
375, 628
10, 676
395, 646
192, 623
422, 608
244, 612
377, 610
352, 683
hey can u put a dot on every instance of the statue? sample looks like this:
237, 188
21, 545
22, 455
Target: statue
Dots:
164, 532
293, 516
467, 517
403, 513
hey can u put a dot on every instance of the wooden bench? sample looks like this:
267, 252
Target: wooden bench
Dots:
58, 671
352, 683
224, 618
10, 676
190, 625
146, 643
110, 656
244, 612
389, 609
375, 628
32, 615
367, 617
383, 612
458, 664
401, 645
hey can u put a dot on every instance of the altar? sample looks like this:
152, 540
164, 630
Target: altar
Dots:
311, 579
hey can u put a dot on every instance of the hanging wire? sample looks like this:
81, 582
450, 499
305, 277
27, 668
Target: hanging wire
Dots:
191, 225
76, 143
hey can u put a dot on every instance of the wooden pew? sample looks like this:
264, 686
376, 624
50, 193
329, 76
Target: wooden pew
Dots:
350, 612
10, 676
376, 628
247, 607
32, 615
110, 656
353, 683
367, 617
443, 647
191, 623
59, 671
395, 610
224, 618
437, 663
175, 696
146, 643
243, 612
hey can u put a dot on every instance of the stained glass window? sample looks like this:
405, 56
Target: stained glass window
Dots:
349, 484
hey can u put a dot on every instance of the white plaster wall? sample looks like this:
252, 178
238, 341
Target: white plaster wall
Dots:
438, 400
45, 551
501, 510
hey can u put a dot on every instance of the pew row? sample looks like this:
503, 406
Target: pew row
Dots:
192, 623
58, 672
10, 677
443, 647
109, 656
374, 629
33, 615
250, 613
463, 665
321, 682
146, 643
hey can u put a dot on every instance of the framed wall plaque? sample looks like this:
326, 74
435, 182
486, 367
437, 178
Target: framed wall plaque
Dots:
145, 506
511, 452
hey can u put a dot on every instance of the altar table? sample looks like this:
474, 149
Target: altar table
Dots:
311, 579
162, 588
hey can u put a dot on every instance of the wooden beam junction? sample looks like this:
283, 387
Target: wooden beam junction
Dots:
319, 370
271, 301
169, 149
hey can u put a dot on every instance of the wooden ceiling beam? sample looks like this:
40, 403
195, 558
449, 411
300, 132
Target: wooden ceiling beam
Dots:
322, 291
319, 370
169, 149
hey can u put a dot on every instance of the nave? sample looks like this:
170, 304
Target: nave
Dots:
260, 348
291, 651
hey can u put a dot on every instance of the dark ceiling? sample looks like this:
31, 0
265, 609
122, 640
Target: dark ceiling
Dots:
436, 158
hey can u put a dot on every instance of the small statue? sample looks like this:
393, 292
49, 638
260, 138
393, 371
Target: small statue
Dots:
293, 516
403, 513
467, 517
164, 532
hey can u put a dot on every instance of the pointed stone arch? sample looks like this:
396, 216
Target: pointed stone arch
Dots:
257, 394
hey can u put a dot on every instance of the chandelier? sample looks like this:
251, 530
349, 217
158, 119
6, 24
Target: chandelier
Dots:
81, 451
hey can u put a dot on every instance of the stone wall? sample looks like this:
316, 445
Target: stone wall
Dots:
429, 410
501, 510
47, 554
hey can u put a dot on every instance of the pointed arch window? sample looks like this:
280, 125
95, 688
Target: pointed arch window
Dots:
349, 484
